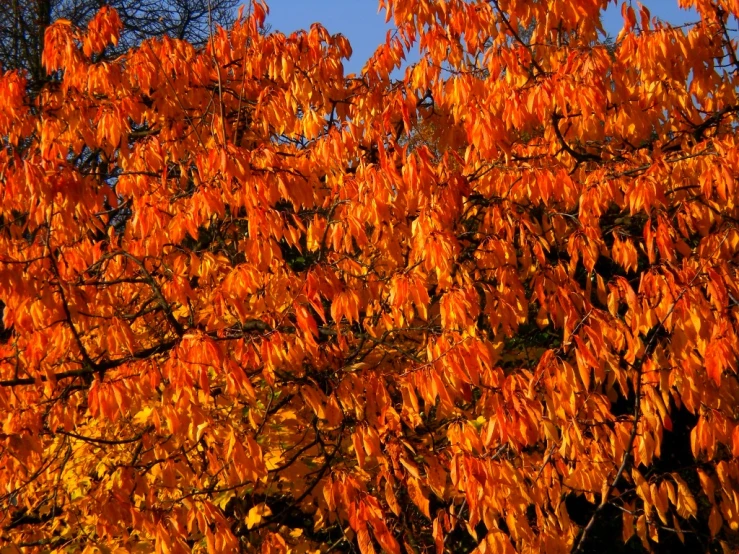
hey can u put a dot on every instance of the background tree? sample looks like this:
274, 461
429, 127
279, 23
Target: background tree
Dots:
23, 23
491, 306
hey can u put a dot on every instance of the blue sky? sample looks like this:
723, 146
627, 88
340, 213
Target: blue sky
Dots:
365, 28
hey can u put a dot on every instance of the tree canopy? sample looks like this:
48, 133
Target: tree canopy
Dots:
253, 303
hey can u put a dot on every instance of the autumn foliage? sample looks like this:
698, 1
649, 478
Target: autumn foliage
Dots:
252, 303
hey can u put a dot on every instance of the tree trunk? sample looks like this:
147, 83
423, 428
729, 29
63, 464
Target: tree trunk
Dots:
43, 22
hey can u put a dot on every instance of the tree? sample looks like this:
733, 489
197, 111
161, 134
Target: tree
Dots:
24, 22
490, 307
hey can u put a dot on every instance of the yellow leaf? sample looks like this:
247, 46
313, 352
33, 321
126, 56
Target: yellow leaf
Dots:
642, 487
256, 514
686, 505
641, 530
628, 526
436, 476
365, 541
715, 521
417, 496
391, 499
707, 485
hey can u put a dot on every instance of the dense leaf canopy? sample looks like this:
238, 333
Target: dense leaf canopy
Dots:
253, 303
